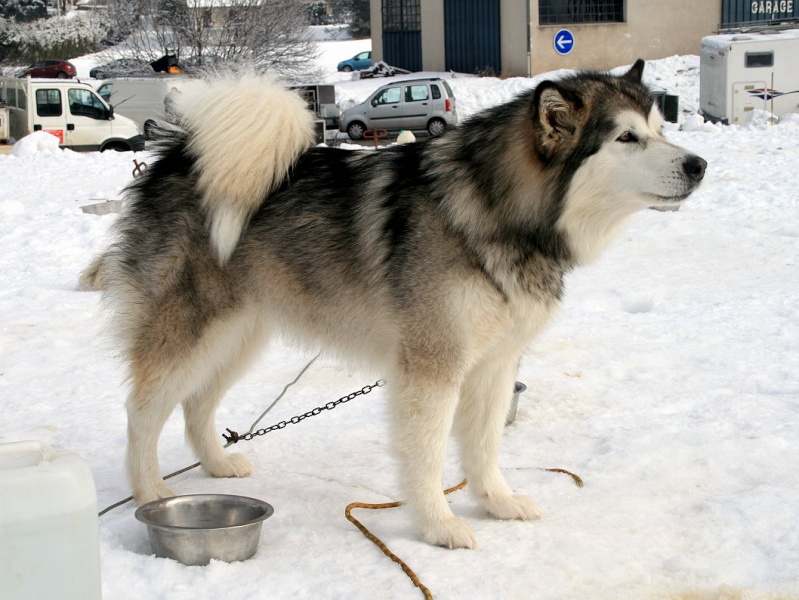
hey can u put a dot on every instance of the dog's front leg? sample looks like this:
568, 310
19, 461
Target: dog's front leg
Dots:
423, 411
479, 424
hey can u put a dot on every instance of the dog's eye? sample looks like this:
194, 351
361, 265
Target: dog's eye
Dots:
627, 137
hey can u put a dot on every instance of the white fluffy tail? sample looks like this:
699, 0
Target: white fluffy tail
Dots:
245, 132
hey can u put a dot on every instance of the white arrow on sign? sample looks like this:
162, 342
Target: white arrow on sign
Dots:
564, 42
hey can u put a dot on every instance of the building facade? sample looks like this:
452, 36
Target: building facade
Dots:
527, 37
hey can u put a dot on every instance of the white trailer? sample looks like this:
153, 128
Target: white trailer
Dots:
742, 72
70, 110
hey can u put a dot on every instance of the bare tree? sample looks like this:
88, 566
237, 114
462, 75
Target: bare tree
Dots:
268, 35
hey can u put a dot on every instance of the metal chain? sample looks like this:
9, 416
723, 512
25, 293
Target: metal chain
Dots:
232, 437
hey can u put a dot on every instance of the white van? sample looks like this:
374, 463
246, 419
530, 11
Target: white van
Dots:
742, 72
70, 110
141, 98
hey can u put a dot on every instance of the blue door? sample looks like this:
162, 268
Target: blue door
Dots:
472, 36
403, 49
402, 34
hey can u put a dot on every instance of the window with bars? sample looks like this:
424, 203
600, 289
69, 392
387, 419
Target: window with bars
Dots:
402, 15
555, 12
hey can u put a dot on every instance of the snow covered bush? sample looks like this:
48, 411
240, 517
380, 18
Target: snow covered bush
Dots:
23, 10
64, 38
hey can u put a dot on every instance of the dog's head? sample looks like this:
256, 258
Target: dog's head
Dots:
611, 127
602, 134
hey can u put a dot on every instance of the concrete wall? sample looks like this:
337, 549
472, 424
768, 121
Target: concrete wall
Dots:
514, 17
433, 48
653, 29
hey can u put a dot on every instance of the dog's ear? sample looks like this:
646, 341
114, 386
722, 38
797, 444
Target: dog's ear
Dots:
556, 115
636, 72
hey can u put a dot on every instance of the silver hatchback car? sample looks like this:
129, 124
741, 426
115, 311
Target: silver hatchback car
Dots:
411, 104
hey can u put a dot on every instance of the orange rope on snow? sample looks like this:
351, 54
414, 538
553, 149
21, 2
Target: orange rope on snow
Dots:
577, 481
378, 542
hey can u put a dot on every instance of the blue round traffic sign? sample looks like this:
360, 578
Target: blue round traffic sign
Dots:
563, 42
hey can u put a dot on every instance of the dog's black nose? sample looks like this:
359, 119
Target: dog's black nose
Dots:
694, 166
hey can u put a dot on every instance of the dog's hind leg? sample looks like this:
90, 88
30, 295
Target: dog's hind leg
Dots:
200, 407
423, 410
479, 424
149, 405
167, 367
199, 410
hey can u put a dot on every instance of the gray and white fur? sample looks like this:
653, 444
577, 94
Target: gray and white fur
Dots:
434, 263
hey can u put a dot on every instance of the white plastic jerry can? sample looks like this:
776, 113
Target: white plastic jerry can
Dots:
49, 535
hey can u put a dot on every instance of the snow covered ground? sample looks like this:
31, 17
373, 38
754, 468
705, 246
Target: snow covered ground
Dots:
669, 383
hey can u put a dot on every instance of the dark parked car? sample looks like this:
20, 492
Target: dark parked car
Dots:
122, 67
362, 60
61, 69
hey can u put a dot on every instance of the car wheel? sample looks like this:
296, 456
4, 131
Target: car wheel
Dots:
355, 130
116, 147
149, 130
347, 69
436, 127
61, 75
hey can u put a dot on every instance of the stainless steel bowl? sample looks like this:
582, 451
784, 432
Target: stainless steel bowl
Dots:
196, 528
518, 388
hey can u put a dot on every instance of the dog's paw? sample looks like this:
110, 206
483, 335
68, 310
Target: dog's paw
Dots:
145, 494
512, 507
450, 533
229, 465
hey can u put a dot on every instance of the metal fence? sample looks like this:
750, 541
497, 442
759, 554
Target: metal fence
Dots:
555, 12
402, 15
737, 14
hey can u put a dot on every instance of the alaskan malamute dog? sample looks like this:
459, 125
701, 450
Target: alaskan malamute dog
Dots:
435, 262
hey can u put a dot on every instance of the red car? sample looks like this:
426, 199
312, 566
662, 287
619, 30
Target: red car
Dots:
51, 68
